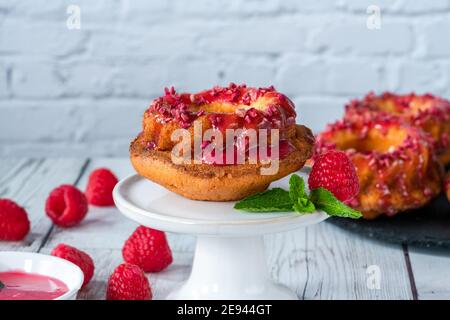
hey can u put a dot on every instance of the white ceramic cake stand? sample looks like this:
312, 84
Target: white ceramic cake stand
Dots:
229, 261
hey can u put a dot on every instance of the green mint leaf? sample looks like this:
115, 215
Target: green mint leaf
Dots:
326, 201
296, 187
273, 200
304, 205
1, 286
298, 195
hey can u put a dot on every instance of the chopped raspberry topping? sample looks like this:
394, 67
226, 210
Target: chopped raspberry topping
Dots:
184, 108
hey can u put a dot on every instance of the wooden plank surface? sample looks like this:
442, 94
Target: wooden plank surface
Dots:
431, 269
318, 262
325, 262
28, 182
103, 233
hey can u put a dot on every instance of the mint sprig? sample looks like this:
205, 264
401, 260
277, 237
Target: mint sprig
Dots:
1, 286
297, 199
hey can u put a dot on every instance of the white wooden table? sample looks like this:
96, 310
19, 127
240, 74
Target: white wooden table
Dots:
319, 262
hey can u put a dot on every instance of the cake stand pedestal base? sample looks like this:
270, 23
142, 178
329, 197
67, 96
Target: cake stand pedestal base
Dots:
230, 268
229, 261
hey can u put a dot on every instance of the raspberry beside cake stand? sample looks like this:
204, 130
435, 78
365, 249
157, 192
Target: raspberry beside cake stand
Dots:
229, 261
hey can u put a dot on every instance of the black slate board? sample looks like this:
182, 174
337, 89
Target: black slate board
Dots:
425, 227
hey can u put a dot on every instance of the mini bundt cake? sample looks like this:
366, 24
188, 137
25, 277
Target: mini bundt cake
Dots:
236, 107
395, 163
428, 112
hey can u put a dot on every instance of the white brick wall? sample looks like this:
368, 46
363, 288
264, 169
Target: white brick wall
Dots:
82, 92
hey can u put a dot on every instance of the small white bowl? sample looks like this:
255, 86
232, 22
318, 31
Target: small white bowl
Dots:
45, 265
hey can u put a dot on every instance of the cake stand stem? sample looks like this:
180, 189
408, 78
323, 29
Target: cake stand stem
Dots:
230, 268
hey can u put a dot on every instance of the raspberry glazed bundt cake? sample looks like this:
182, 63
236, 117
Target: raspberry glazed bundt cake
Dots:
395, 163
236, 107
428, 112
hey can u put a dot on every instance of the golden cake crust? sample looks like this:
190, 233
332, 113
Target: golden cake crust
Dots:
215, 183
233, 107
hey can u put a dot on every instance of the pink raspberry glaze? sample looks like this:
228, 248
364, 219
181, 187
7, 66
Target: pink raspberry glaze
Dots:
239, 107
184, 108
432, 111
20, 285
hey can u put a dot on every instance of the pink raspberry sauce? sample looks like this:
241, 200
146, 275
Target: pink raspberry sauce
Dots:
19, 285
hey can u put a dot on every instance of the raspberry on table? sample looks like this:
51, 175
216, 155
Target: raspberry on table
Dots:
335, 172
14, 223
128, 282
66, 206
78, 257
100, 186
148, 249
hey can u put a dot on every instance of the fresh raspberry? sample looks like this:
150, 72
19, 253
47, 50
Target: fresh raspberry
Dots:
78, 257
66, 206
100, 186
148, 249
14, 223
128, 282
335, 172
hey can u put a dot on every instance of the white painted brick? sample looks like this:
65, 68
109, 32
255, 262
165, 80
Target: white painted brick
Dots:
88, 78
32, 79
422, 77
256, 72
399, 6
256, 36
204, 7
226, 7
423, 6
36, 123
144, 12
298, 78
353, 78
85, 90
111, 120
155, 41
316, 113
42, 9
345, 37
3, 81
34, 38
312, 6
255, 6
192, 75
436, 37
144, 79
105, 13
362, 5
